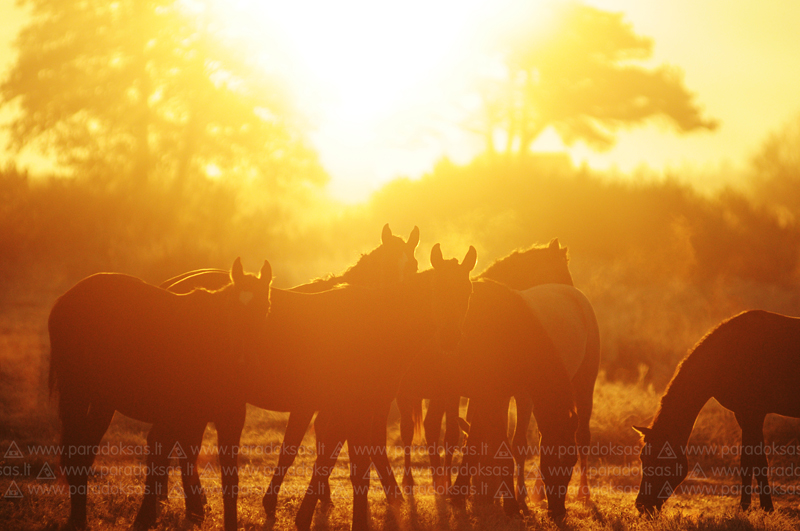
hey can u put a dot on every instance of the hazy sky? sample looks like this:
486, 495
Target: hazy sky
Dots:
741, 58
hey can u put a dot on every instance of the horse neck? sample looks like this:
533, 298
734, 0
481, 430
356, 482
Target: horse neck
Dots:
686, 395
414, 302
362, 273
511, 272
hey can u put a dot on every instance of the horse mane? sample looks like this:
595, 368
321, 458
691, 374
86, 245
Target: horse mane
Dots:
525, 268
689, 388
361, 273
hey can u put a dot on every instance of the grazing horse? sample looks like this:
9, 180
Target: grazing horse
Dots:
119, 344
342, 352
749, 364
542, 274
387, 264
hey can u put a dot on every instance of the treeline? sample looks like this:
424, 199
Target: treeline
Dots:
662, 229
661, 262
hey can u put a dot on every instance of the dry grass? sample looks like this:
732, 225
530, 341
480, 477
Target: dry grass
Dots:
632, 320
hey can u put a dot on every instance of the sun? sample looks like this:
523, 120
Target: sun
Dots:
379, 80
369, 73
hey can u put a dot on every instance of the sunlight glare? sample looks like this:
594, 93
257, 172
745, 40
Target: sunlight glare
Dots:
364, 71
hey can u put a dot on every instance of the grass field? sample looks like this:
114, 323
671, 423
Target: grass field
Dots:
31, 498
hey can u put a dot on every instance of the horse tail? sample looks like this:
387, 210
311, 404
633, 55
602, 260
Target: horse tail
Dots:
416, 416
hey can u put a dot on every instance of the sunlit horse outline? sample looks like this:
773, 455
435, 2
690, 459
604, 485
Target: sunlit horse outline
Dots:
113, 335
749, 364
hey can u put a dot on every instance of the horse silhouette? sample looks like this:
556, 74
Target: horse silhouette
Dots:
311, 338
119, 344
749, 364
389, 263
506, 351
542, 275
436, 302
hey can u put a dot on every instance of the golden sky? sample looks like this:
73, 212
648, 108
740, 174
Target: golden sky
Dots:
739, 57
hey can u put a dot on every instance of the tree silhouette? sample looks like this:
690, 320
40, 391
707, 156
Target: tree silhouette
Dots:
776, 176
578, 73
143, 92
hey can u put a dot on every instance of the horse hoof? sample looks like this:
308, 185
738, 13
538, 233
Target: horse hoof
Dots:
524, 508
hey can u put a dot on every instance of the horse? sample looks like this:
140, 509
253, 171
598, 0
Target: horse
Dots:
542, 275
439, 299
311, 338
506, 351
749, 364
119, 344
389, 263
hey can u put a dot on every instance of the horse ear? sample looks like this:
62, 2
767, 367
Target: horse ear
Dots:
413, 238
436, 256
554, 244
266, 272
386, 233
237, 272
470, 259
644, 432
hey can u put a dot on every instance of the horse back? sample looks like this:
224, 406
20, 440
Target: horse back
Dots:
568, 317
115, 338
752, 361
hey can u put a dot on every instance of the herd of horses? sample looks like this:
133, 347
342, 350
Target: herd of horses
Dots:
204, 344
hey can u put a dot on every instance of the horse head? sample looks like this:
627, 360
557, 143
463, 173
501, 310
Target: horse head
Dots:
664, 467
452, 289
248, 302
397, 256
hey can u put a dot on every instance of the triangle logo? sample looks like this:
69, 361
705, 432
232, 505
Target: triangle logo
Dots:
503, 491
697, 472
208, 471
368, 474
503, 452
13, 451
176, 492
666, 491
13, 492
177, 452
46, 473
667, 452
338, 449
533, 473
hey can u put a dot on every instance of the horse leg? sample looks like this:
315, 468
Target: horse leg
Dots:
156, 480
192, 440
433, 429
754, 461
295, 431
81, 435
330, 438
494, 418
405, 404
451, 436
229, 433
461, 487
358, 441
583, 437
380, 457
521, 448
